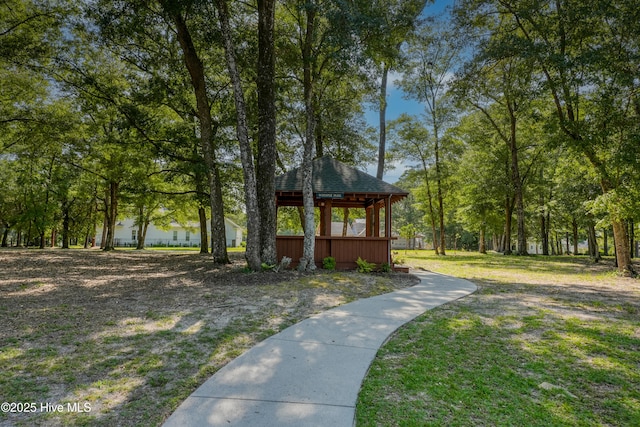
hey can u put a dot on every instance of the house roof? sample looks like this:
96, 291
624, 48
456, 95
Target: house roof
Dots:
333, 177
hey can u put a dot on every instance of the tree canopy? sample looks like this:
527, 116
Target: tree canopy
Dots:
528, 141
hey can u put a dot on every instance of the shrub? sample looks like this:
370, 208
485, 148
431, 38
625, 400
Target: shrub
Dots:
364, 266
398, 260
268, 267
385, 268
329, 263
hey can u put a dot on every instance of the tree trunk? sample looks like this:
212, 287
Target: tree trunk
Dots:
140, 223
500, 246
143, 236
545, 219
482, 241
66, 220
517, 184
319, 137
631, 238
440, 207
105, 226
383, 121
300, 210
204, 238
345, 221
308, 250
196, 72
508, 218
5, 236
574, 226
432, 215
594, 251
141, 229
436, 138
252, 253
544, 234
266, 131
605, 237
621, 243
111, 205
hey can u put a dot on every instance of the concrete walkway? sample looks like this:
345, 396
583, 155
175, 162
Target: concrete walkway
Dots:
310, 373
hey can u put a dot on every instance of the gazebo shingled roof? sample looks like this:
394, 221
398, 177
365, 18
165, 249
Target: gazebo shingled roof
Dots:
332, 176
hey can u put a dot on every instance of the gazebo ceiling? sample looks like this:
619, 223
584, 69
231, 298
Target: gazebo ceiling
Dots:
344, 185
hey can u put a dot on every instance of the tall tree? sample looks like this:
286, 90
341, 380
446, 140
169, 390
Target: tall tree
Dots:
325, 51
433, 52
385, 27
481, 181
411, 141
254, 228
266, 170
196, 70
309, 65
499, 90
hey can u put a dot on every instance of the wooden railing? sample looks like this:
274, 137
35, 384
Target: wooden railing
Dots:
345, 250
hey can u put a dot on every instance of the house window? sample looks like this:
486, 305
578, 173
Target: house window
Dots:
133, 235
175, 236
187, 236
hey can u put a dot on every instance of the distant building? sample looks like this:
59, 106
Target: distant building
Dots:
417, 242
355, 228
126, 234
535, 248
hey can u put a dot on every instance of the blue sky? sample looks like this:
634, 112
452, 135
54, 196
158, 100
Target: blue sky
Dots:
397, 103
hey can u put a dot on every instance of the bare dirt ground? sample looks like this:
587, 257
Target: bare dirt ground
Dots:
121, 338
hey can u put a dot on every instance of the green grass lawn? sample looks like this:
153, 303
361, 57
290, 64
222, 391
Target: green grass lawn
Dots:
545, 341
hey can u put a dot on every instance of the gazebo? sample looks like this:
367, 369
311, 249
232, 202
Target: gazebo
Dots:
336, 185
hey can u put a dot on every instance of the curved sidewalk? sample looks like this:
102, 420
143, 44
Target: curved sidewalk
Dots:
310, 373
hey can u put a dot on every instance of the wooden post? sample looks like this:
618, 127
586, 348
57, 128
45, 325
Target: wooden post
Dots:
376, 220
387, 226
387, 217
325, 219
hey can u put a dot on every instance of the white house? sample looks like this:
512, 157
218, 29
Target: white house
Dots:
173, 235
400, 242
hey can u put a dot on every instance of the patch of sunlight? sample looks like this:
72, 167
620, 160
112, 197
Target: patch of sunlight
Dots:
508, 322
606, 363
533, 344
463, 324
328, 300
193, 329
136, 325
577, 340
10, 353
632, 405
318, 283
131, 321
106, 394
562, 410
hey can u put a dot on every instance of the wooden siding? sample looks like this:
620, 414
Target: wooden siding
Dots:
345, 250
